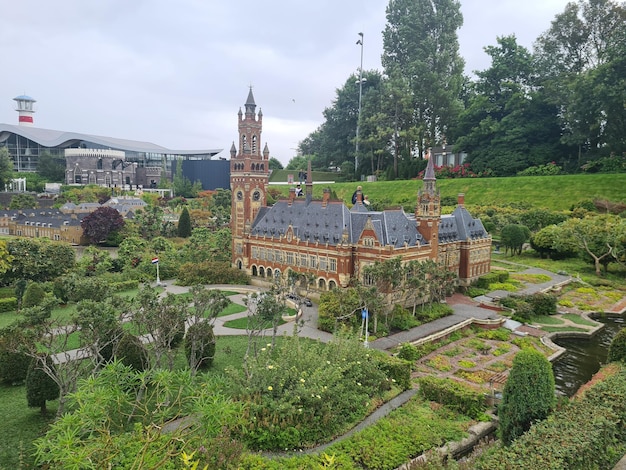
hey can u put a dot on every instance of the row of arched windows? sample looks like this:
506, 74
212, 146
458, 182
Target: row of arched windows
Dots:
268, 273
255, 167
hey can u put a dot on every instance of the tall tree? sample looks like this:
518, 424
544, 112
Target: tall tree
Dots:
507, 125
51, 168
581, 58
421, 49
6, 168
184, 224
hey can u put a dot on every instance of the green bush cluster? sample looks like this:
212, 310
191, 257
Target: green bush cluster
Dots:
8, 304
300, 393
483, 282
587, 433
454, 395
396, 369
210, 272
617, 349
432, 312
527, 305
499, 334
408, 352
122, 286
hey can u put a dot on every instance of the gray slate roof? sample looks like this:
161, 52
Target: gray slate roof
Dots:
312, 222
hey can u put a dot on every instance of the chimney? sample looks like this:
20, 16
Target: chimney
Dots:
461, 199
292, 195
325, 197
309, 183
359, 194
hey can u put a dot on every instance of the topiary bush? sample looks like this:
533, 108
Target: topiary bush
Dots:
131, 352
34, 295
617, 349
542, 304
200, 345
587, 433
397, 370
40, 387
528, 395
408, 352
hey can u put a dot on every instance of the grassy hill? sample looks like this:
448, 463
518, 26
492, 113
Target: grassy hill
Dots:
549, 192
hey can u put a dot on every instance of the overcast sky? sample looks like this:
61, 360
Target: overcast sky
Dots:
176, 72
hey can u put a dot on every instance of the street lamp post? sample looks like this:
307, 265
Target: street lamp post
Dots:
356, 154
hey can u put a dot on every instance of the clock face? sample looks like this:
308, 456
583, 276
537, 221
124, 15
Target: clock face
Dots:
239, 195
256, 195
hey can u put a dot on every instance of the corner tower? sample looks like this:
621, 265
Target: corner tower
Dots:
249, 175
428, 210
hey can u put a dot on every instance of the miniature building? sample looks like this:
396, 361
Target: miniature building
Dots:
335, 243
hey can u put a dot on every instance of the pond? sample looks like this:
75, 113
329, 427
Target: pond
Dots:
584, 356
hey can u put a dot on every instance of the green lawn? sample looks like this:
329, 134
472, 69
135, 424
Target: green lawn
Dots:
538, 191
578, 319
545, 320
555, 329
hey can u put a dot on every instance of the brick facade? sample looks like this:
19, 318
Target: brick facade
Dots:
332, 242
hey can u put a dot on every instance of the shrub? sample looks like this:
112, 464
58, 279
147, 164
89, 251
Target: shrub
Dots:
125, 285
396, 369
542, 304
453, 394
300, 393
587, 433
13, 366
34, 295
408, 352
40, 388
210, 272
200, 345
131, 352
485, 281
8, 304
617, 349
500, 334
528, 395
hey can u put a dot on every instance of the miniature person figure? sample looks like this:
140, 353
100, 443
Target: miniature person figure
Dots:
298, 191
366, 201
354, 197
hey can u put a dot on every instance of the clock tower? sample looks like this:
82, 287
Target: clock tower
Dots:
249, 175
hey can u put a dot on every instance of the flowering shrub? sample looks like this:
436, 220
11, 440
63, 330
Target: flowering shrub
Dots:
300, 392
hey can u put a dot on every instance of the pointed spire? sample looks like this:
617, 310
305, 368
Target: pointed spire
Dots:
250, 104
233, 150
266, 151
429, 174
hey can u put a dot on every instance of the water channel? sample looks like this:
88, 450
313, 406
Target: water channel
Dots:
584, 356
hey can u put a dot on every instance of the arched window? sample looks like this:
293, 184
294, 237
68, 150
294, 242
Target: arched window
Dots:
99, 163
332, 285
254, 271
321, 284
269, 272
262, 271
239, 264
254, 144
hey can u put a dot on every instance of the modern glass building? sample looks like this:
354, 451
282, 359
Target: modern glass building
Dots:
27, 143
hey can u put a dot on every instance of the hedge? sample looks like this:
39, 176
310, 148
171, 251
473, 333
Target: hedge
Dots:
8, 304
498, 276
454, 395
396, 369
587, 433
125, 285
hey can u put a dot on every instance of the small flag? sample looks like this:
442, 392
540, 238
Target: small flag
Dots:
155, 260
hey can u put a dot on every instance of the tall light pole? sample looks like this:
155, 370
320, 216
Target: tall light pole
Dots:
356, 154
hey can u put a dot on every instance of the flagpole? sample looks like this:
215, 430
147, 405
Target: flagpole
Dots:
158, 279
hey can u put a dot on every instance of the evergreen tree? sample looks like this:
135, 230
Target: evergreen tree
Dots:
528, 394
184, 224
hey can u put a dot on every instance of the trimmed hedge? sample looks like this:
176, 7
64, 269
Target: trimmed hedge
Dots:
454, 395
396, 369
8, 304
210, 272
588, 433
483, 282
125, 285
